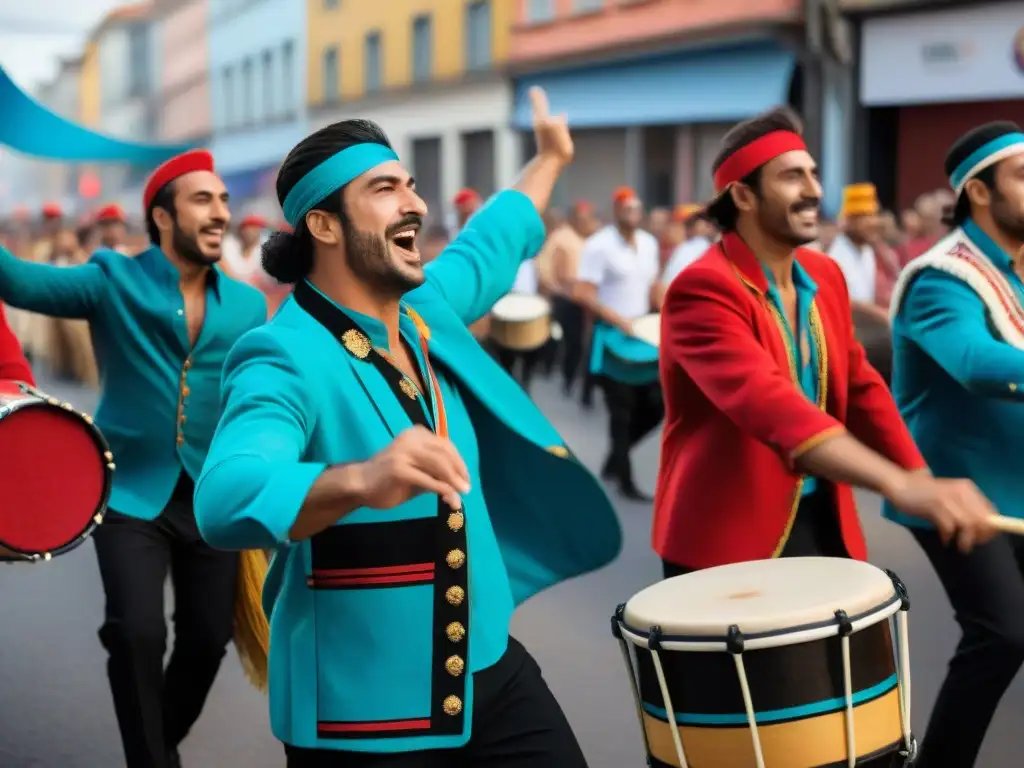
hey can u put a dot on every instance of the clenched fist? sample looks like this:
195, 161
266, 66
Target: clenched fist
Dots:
417, 461
957, 509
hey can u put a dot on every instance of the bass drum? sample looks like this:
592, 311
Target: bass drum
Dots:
875, 335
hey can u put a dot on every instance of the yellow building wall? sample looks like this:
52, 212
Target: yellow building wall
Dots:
347, 26
89, 85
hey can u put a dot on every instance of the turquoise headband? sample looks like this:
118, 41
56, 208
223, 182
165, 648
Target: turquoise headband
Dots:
330, 176
987, 155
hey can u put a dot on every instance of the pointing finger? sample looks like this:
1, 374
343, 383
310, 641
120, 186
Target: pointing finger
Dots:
539, 103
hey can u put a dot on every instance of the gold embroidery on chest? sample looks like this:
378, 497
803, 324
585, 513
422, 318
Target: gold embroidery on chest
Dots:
356, 343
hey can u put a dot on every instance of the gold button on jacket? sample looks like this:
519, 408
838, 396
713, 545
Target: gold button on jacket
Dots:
455, 631
456, 558
455, 595
455, 665
452, 705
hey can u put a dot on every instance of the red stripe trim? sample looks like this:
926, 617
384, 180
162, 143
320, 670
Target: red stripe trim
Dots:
1012, 308
401, 578
386, 570
382, 725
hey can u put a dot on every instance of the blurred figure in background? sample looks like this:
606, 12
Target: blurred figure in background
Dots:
434, 240
889, 229
51, 223
466, 202
245, 263
88, 239
68, 344
931, 209
855, 251
698, 234
910, 224
112, 225
659, 224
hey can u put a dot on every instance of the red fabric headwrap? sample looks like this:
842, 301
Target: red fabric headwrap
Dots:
752, 156
52, 211
187, 162
110, 213
252, 220
466, 197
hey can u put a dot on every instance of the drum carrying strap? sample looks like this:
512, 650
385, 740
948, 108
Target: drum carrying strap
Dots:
959, 257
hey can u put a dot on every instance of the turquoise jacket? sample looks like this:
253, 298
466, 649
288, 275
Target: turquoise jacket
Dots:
958, 384
378, 623
147, 366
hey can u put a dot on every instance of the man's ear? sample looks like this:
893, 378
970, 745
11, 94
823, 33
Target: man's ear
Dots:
743, 197
324, 227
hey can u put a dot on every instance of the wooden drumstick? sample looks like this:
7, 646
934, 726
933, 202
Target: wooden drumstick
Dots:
1005, 524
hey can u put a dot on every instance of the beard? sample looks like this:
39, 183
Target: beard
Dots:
1007, 216
371, 260
187, 246
774, 220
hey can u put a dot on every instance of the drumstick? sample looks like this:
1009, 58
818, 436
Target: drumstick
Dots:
1008, 524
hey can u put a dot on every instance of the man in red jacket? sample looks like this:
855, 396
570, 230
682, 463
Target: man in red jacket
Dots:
13, 364
772, 411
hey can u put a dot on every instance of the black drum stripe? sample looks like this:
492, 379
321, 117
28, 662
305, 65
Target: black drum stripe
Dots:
375, 545
779, 678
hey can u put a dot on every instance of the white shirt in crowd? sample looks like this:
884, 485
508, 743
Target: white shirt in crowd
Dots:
623, 274
858, 265
683, 256
526, 278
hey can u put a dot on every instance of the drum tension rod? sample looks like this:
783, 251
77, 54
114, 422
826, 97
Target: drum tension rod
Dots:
901, 590
620, 611
734, 641
845, 625
654, 639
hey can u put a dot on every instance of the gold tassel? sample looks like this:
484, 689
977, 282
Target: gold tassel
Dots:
252, 630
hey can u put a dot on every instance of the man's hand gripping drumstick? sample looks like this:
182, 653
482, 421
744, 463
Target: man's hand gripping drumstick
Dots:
416, 462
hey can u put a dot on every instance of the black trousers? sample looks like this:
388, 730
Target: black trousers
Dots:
527, 363
569, 315
634, 411
157, 708
517, 723
815, 532
986, 588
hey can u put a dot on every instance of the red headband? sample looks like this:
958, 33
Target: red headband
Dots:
749, 158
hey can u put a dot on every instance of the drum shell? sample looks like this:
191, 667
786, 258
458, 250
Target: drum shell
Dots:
64, 509
799, 691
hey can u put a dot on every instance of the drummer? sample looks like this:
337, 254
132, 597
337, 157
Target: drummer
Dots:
773, 412
522, 364
959, 382
617, 278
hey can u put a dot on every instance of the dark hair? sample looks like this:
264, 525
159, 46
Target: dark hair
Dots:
164, 198
962, 149
722, 210
83, 235
288, 256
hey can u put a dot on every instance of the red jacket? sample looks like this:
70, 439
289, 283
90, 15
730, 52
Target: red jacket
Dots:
735, 420
13, 364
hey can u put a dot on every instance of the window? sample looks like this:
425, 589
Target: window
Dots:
331, 4
248, 92
330, 86
541, 10
228, 94
478, 35
373, 62
138, 61
422, 49
288, 78
588, 5
268, 86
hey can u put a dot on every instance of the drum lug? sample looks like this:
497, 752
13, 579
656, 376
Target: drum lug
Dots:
901, 590
910, 753
620, 610
734, 642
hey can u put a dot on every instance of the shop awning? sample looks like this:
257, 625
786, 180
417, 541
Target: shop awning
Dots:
712, 85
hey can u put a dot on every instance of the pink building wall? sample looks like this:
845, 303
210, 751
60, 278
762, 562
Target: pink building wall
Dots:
622, 23
184, 72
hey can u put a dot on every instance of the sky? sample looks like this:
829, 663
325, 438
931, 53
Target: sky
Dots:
35, 34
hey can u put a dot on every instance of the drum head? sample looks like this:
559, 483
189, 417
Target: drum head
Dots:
759, 596
521, 307
53, 478
648, 328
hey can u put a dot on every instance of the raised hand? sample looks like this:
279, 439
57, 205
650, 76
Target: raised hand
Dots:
551, 132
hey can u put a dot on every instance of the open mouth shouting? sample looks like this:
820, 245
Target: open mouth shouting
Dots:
404, 240
212, 237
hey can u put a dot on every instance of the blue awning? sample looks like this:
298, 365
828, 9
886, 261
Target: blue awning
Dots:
712, 85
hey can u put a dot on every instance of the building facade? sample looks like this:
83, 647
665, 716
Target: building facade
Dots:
429, 72
127, 54
63, 96
650, 88
184, 81
960, 65
257, 50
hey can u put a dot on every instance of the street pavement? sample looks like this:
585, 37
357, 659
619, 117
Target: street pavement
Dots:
55, 709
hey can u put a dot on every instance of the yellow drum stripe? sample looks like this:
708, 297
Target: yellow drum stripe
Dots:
807, 743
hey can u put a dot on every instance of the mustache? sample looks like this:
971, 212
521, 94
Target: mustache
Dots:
411, 219
811, 204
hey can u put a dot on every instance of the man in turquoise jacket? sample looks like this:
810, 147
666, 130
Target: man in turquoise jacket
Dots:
413, 492
958, 378
162, 324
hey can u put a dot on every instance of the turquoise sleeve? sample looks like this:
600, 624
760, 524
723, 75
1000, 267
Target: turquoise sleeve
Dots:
480, 265
74, 292
946, 319
254, 481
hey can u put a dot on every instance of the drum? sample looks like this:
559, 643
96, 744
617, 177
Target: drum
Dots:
55, 472
784, 663
521, 322
648, 328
